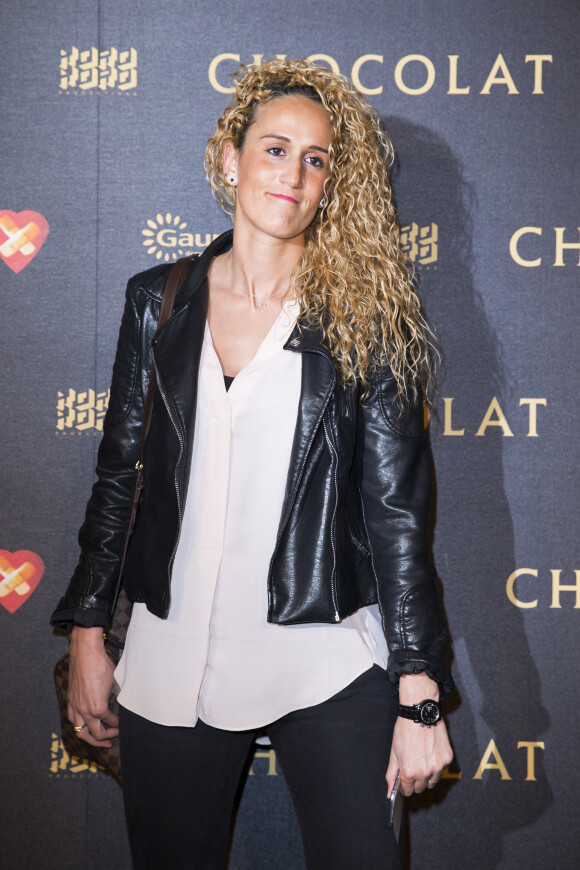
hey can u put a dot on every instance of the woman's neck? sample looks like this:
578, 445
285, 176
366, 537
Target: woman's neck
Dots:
261, 265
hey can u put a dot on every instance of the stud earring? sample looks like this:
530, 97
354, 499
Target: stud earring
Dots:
322, 202
232, 179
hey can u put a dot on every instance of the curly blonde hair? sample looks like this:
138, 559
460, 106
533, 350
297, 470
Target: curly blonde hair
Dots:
353, 280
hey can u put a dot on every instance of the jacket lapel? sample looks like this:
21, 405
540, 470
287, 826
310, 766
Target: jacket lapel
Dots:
177, 345
318, 380
177, 353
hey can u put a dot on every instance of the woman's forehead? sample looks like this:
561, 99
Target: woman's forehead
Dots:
293, 110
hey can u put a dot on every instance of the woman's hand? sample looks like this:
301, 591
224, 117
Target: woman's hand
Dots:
91, 682
420, 754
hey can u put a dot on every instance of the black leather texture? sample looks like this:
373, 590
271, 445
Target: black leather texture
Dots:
353, 525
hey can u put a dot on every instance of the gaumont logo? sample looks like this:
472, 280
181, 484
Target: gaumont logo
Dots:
22, 235
413, 74
167, 238
20, 574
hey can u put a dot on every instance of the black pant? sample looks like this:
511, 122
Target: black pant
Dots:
179, 783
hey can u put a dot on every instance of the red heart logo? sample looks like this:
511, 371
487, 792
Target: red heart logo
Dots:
20, 574
22, 236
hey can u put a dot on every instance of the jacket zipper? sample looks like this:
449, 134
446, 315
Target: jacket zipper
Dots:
288, 514
333, 524
177, 489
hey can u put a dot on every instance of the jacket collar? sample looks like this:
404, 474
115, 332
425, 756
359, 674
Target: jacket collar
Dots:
177, 345
177, 353
303, 338
197, 274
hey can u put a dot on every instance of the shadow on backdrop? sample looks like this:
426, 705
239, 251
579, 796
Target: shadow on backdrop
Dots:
498, 687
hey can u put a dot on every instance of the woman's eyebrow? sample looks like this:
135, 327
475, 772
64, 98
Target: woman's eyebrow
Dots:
287, 139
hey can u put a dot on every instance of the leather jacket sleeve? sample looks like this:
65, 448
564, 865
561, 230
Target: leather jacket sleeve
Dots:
89, 598
394, 473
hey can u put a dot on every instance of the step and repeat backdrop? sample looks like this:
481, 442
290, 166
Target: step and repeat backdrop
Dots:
106, 108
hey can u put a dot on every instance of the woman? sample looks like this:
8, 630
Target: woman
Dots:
279, 561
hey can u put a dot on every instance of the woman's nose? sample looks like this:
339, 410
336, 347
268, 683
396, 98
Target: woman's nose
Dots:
292, 172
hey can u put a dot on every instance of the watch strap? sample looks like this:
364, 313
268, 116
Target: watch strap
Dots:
410, 711
427, 712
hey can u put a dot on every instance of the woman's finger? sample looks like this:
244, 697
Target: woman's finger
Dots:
110, 719
96, 730
420, 785
97, 733
100, 732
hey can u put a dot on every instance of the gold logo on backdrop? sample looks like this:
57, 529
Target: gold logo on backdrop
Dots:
269, 754
413, 74
108, 71
522, 256
492, 760
63, 764
167, 238
494, 418
558, 586
81, 412
420, 244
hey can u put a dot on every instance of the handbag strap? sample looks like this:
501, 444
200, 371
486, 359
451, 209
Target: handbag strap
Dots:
175, 281
173, 285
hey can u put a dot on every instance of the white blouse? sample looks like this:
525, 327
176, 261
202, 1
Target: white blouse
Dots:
216, 657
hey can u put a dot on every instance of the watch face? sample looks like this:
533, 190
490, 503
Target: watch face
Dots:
430, 713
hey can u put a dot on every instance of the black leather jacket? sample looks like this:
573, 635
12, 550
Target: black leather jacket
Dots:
352, 529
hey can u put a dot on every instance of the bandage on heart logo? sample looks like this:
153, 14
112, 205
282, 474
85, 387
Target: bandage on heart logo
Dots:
20, 574
22, 235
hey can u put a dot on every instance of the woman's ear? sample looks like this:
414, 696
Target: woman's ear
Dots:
230, 164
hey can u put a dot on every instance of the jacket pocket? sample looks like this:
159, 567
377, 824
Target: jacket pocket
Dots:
355, 523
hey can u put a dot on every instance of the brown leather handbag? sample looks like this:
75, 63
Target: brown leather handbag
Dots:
108, 759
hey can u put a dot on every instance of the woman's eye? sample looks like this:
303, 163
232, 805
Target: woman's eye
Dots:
315, 161
275, 150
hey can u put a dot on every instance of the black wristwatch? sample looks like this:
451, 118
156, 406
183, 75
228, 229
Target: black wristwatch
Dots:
427, 713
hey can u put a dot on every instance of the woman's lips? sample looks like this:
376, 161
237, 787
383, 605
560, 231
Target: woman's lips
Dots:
287, 198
